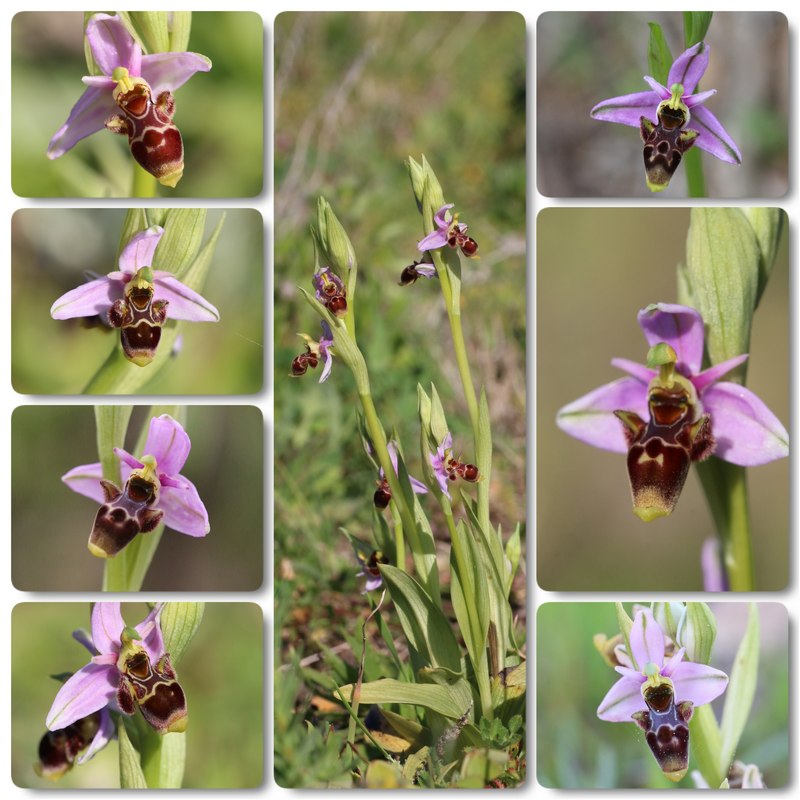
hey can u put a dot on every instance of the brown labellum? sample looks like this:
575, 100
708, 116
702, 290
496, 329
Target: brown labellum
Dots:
125, 514
383, 494
153, 138
139, 318
666, 729
58, 749
154, 688
661, 450
664, 146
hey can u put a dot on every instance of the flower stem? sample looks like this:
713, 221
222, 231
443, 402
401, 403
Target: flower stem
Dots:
451, 291
725, 486
706, 743
695, 180
480, 664
144, 184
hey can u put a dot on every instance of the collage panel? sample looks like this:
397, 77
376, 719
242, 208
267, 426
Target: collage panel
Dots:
400, 410
663, 399
141, 301
125, 498
96, 685
664, 695
139, 104
698, 104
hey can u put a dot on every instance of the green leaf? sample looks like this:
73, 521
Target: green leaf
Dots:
767, 224
164, 759
179, 623
152, 29
194, 274
423, 623
695, 27
513, 554
112, 425
483, 460
450, 701
470, 588
130, 768
439, 428
179, 31
659, 57
741, 690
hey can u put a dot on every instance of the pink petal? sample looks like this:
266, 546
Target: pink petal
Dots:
698, 683
638, 371
714, 579
105, 733
87, 691
112, 45
85, 480
623, 699
87, 116
150, 631
693, 100
680, 327
139, 251
673, 661
107, 625
440, 217
184, 303
647, 640
662, 91
689, 67
169, 71
168, 443
713, 137
433, 241
713, 374
747, 432
127, 459
591, 418
183, 509
627, 109
89, 299
84, 637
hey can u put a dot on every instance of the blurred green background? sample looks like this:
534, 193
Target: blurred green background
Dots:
219, 113
596, 268
576, 750
221, 673
583, 58
356, 94
51, 252
51, 524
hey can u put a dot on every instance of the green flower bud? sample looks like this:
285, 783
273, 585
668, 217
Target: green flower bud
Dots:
767, 224
697, 631
333, 246
151, 28
417, 175
722, 265
668, 616
625, 625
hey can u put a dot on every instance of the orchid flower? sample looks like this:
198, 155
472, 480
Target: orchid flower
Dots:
419, 269
60, 749
447, 468
133, 95
383, 494
315, 349
136, 299
448, 232
659, 693
330, 291
128, 668
670, 413
154, 491
663, 116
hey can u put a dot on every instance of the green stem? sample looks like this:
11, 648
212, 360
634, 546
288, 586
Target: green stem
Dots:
452, 301
399, 539
695, 180
144, 184
481, 668
725, 486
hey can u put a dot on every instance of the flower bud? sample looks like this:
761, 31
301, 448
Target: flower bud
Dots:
333, 245
668, 616
697, 631
722, 265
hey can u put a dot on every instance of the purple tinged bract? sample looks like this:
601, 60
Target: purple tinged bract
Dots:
647, 664
169, 445
113, 47
746, 432
685, 73
98, 296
